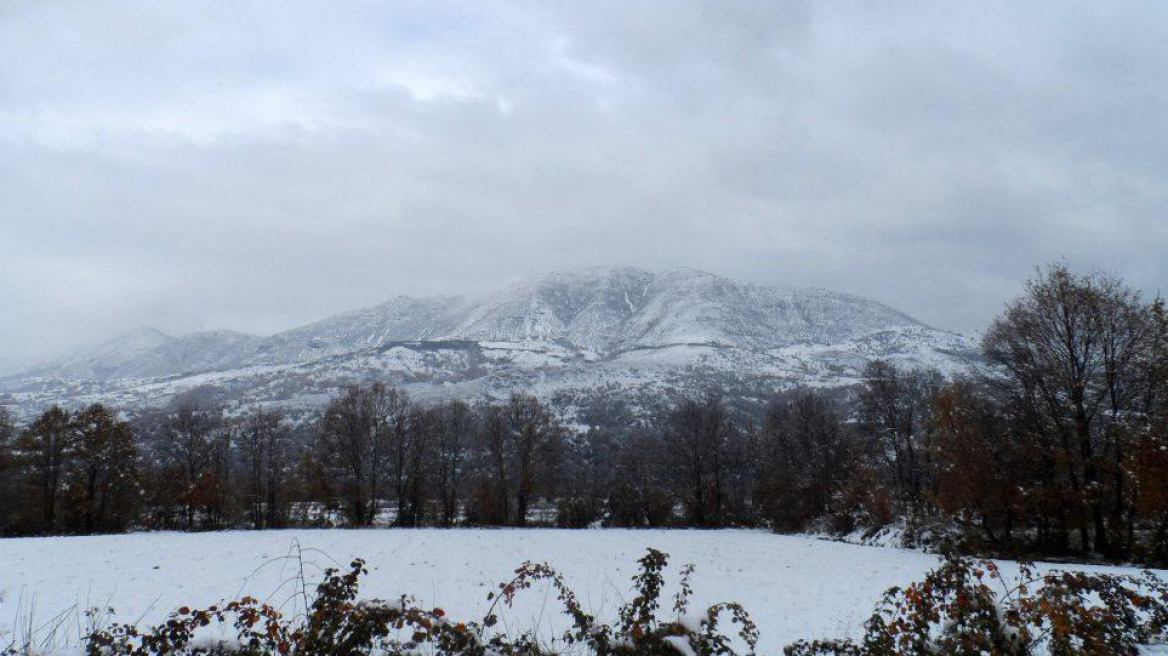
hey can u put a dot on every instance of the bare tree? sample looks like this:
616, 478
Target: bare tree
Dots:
640, 495
894, 409
264, 449
1064, 358
8, 471
519, 444
808, 455
421, 436
360, 439
45, 449
985, 476
104, 469
536, 437
698, 438
183, 449
346, 443
391, 428
457, 429
497, 445
1150, 468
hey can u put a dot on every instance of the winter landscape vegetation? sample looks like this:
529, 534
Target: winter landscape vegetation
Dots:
606, 328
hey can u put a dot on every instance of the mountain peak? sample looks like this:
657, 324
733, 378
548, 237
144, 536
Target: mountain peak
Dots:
138, 340
143, 333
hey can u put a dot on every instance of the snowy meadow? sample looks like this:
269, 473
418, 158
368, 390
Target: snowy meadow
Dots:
794, 587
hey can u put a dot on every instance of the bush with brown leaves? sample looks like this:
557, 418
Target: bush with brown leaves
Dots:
967, 607
338, 624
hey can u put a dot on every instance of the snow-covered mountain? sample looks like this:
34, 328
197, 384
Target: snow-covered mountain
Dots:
577, 338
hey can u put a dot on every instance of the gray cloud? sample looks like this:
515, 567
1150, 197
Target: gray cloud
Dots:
257, 165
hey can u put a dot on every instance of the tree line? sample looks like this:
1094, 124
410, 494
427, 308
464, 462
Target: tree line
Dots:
1057, 445
372, 457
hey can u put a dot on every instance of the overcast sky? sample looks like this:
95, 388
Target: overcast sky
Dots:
258, 165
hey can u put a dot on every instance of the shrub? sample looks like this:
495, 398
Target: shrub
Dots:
337, 624
956, 611
962, 608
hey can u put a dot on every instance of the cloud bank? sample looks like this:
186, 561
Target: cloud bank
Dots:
257, 165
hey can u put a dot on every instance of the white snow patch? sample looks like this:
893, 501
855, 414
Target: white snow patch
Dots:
794, 587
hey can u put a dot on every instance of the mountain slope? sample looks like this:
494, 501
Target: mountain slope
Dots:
403, 318
105, 360
149, 352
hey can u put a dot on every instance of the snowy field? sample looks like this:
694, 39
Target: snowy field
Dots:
794, 587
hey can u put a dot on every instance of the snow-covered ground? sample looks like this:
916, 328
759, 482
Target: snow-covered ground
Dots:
794, 587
